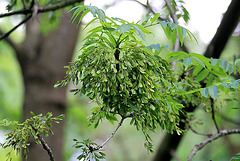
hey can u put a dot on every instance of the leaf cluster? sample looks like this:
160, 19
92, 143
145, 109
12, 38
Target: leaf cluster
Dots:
215, 73
88, 150
36, 127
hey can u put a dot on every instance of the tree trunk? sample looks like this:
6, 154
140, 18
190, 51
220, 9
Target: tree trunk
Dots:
42, 58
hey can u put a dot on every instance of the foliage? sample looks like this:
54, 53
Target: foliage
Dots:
214, 72
35, 127
88, 150
124, 76
236, 157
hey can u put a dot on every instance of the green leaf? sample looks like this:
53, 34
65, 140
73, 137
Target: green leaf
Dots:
203, 59
187, 61
139, 32
172, 25
204, 92
213, 91
163, 24
197, 69
210, 80
214, 61
182, 34
223, 63
124, 28
237, 156
155, 17
202, 75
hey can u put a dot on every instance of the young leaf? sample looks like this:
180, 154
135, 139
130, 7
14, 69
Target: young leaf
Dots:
187, 61
213, 91
155, 17
204, 92
124, 28
202, 75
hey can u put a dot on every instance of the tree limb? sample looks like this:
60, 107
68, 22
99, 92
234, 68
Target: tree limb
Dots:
196, 132
44, 144
224, 31
42, 9
213, 114
148, 7
210, 139
29, 12
105, 142
15, 27
10, 41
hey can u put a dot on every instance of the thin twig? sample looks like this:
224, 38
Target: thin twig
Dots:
24, 5
149, 8
198, 147
236, 122
14, 28
42, 9
175, 20
213, 114
44, 144
10, 41
105, 142
199, 133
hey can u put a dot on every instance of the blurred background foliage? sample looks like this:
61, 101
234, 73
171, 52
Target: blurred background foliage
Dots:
128, 143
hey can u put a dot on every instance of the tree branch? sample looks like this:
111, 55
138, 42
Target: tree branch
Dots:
42, 9
196, 132
105, 142
44, 144
210, 139
148, 7
213, 114
10, 41
30, 11
224, 31
15, 27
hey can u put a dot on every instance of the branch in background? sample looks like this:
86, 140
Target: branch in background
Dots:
237, 122
44, 144
23, 3
210, 139
30, 11
175, 20
9, 41
105, 142
224, 31
14, 28
42, 9
196, 132
213, 114
148, 7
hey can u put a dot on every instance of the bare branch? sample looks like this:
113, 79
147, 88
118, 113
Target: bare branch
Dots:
23, 3
196, 132
14, 28
237, 122
10, 41
42, 9
30, 12
149, 8
105, 142
44, 144
198, 147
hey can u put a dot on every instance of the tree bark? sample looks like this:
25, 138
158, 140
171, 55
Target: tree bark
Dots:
42, 58
214, 49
